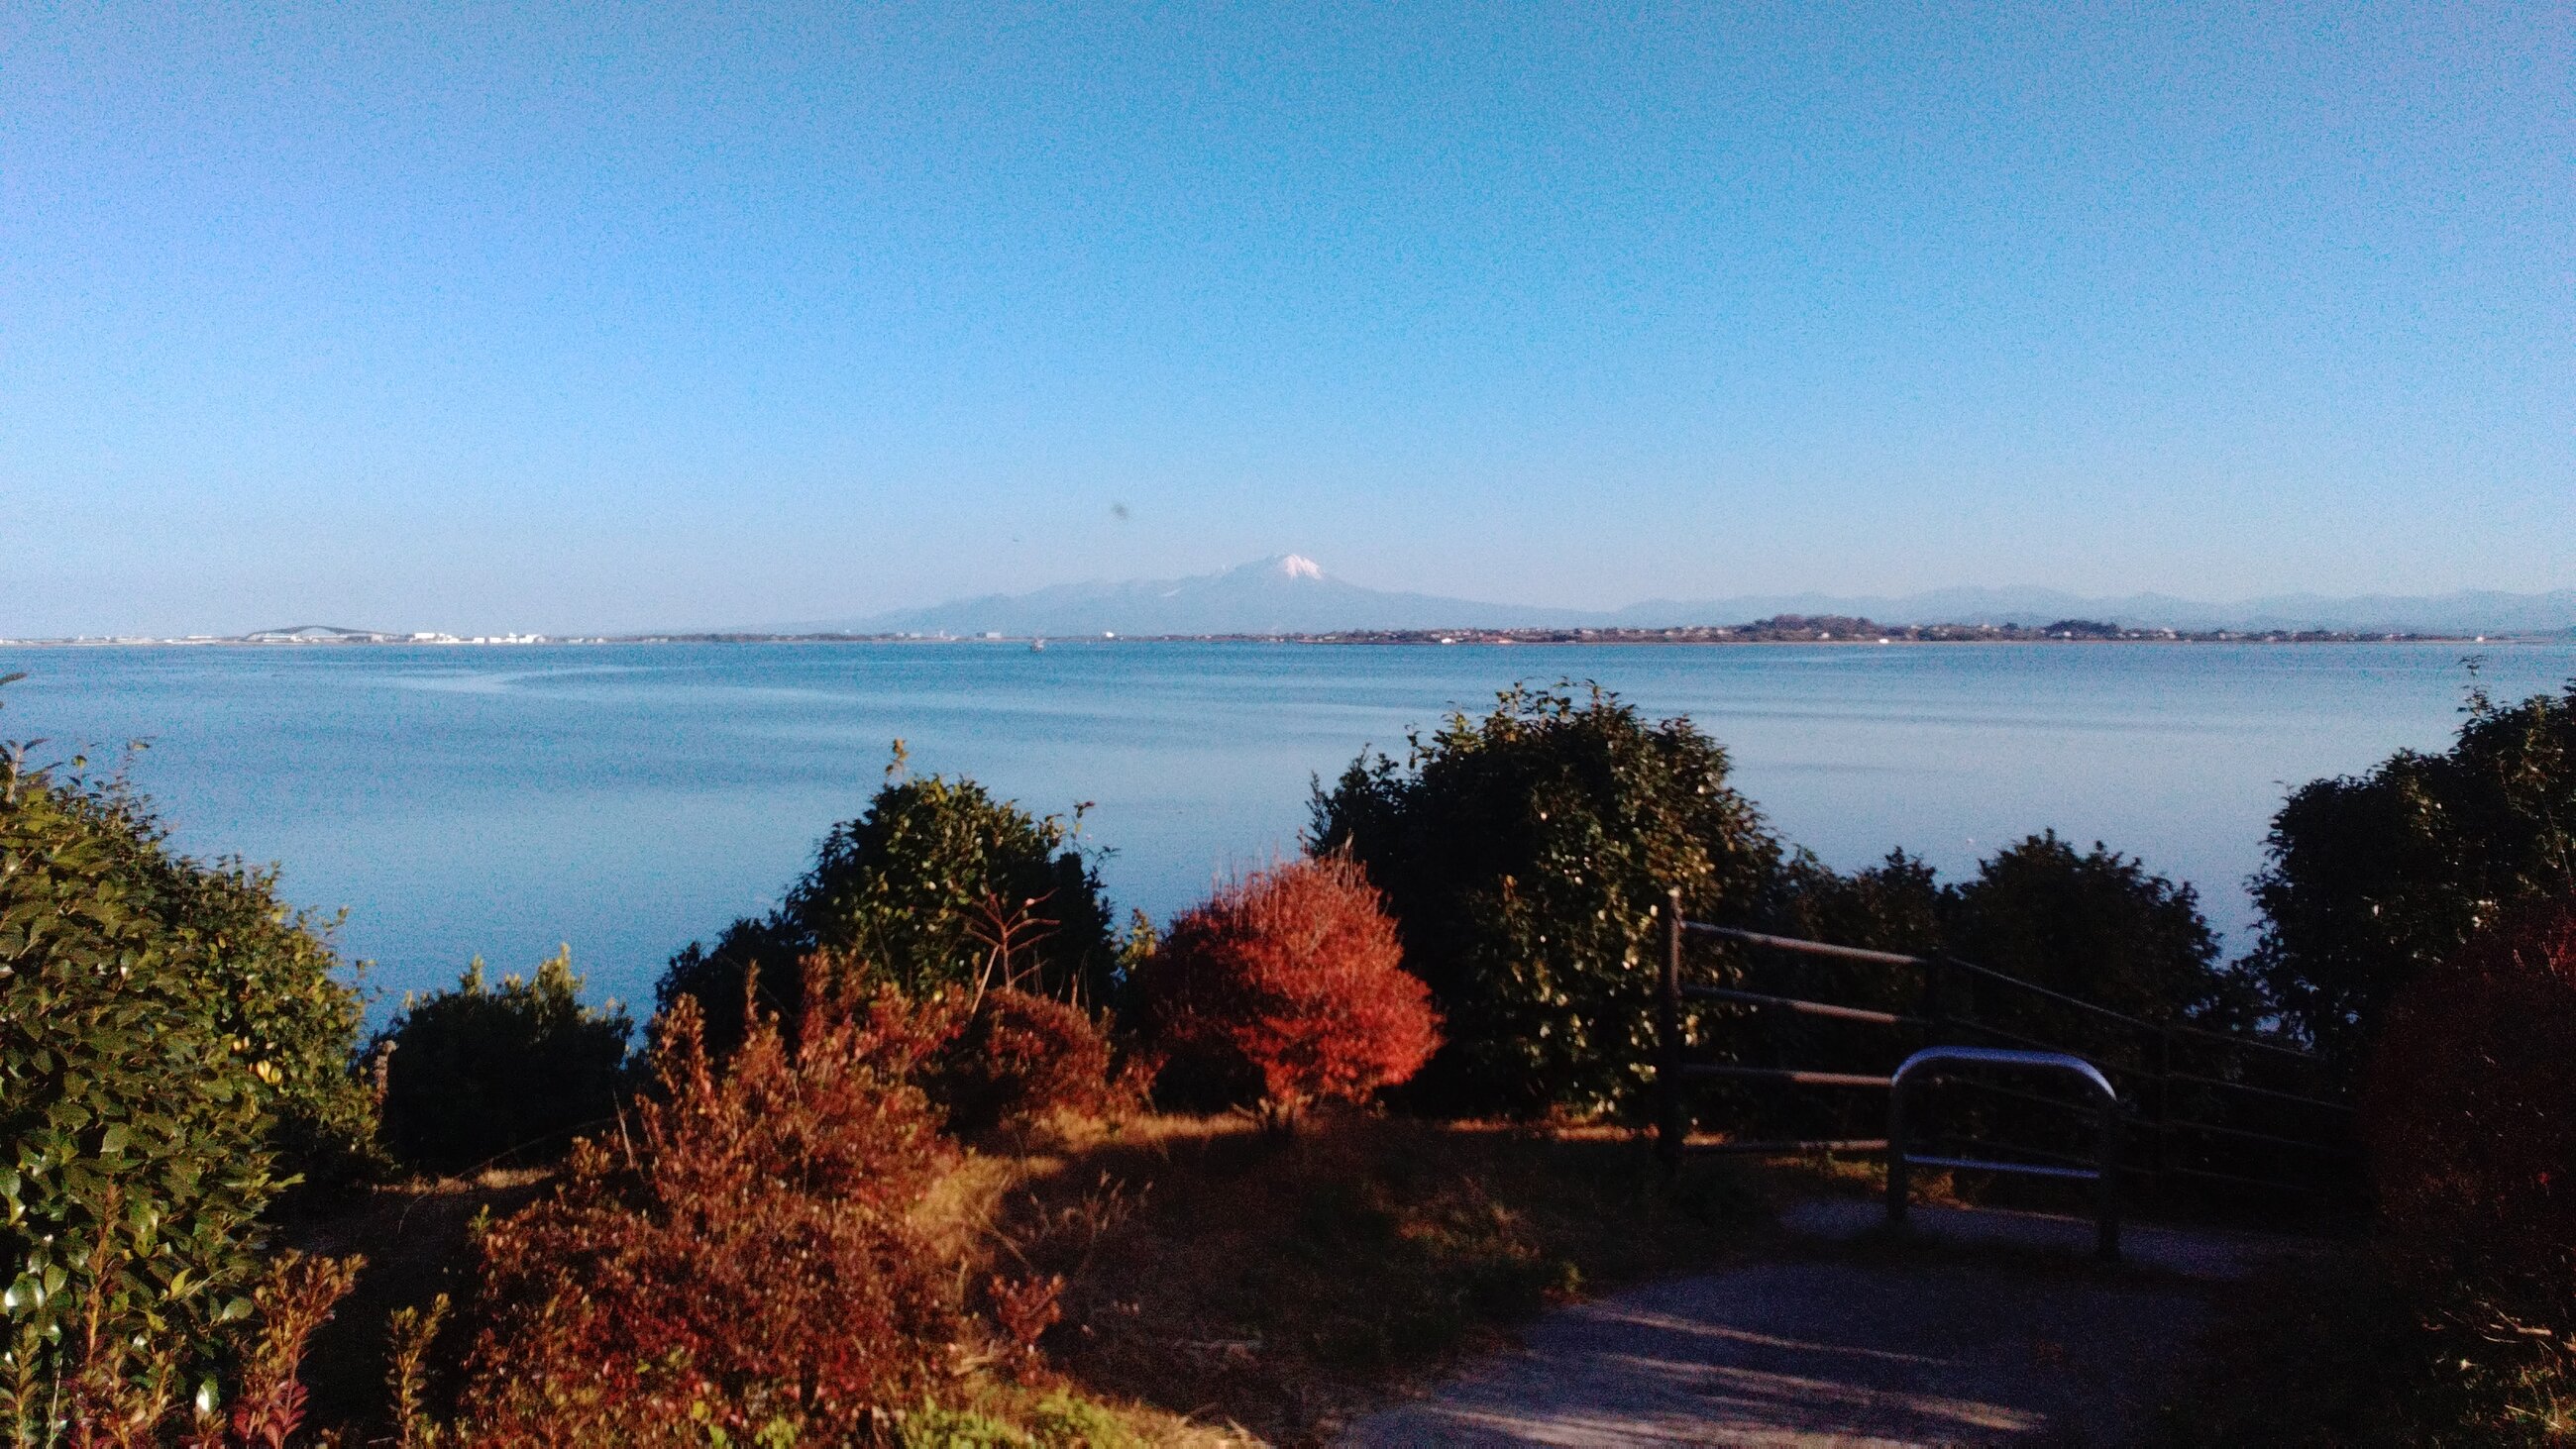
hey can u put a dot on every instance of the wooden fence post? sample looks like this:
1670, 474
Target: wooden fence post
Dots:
1674, 1121
2164, 1112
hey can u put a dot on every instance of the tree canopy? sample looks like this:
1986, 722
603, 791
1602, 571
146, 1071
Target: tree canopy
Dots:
1525, 857
2375, 878
938, 884
2094, 924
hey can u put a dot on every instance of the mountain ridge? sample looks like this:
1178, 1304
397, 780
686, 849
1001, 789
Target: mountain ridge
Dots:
1291, 594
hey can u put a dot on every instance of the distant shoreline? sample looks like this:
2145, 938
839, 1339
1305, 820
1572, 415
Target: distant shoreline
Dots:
1854, 632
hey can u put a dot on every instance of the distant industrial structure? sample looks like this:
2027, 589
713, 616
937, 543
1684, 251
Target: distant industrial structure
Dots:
319, 634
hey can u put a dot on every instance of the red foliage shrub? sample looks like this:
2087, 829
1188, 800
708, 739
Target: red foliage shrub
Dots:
1025, 1308
1291, 983
2469, 1111
744, 1262
1018, 1058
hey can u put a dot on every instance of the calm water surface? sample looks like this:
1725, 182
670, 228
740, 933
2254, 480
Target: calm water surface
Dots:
627, 799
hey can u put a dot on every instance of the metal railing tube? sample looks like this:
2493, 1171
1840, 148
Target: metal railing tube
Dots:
2106, 1171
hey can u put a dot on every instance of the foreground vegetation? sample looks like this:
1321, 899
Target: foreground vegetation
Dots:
1219, 1283
933, 1154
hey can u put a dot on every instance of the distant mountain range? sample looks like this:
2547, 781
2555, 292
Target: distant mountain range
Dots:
1289, 594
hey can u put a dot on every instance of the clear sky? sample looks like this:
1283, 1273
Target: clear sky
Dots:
482, 316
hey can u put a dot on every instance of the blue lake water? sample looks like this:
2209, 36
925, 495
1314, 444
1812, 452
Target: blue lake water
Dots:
627, 799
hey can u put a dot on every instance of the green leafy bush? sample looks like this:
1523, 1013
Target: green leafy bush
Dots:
937, 886
139, 1157
173, 1051
2374, 879
1524, 857
478, 1076
281, 992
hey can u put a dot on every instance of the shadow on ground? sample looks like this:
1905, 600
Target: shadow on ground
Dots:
1860, 1343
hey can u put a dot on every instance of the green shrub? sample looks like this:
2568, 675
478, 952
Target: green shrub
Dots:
273, 979
937, 886
138, 1157
173, 1051
2374, 879
1524, 857
478, 1076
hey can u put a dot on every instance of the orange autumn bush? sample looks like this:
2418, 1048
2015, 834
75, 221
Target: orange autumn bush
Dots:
1287, 986
741, 1260
2469, 1110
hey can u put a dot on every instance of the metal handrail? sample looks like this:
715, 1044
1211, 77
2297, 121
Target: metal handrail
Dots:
2165, 1122
2046, 993
1901, 958
2247, 1043
1803, 947
2317, 1102
1798, 1076
1801, 1007
2105, 1174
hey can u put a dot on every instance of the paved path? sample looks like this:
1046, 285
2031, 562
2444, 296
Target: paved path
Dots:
2010, 1342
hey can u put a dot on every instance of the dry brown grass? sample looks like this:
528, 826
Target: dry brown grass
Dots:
1280, 1286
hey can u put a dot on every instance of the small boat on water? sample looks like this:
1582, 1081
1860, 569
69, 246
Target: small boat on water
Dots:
1037, 646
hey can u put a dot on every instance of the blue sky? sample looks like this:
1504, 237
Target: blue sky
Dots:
484, 316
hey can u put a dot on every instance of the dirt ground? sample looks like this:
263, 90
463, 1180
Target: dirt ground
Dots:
2003, 1334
